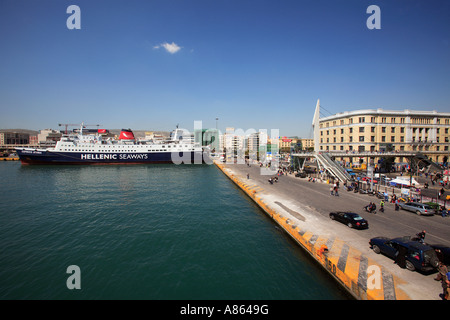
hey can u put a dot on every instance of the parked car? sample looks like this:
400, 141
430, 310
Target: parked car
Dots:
417, 207
435, 206
351, 219
442, 252
418, 257
301, 174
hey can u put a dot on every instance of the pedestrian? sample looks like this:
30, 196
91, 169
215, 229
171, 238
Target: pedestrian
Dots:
444, 212
445, 283
332, 191
442, 271
400, 257
248, 176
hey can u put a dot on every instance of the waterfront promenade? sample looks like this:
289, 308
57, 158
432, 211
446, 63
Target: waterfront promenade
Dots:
301, 208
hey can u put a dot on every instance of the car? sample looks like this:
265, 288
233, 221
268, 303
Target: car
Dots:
351, 219
417, 207
442, 252
418, 257
301, 174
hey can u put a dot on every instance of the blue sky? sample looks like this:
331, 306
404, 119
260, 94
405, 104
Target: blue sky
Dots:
258, 64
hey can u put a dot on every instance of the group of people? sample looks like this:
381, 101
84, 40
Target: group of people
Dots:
334, 190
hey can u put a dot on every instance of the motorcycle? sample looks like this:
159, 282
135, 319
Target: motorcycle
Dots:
366, 208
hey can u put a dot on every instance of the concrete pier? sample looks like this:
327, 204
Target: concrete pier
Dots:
300, 208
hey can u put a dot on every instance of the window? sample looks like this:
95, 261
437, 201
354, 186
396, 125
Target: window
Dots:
350, 130
383, 138
393, 139
392, 129
362, 119
383, 129
361, 129
372, 129
372, 138
402, 130
361, 138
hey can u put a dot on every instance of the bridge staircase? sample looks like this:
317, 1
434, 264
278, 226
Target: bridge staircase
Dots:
336, 170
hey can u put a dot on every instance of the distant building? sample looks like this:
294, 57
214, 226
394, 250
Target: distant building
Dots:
12, 137
288, 144
307, 143
231, 143
257, 144
48, 135
34, 140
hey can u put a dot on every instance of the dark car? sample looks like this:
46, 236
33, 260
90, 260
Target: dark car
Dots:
442, 252
418, 257
352, 220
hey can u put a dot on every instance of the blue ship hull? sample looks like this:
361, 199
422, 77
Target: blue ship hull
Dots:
32, 156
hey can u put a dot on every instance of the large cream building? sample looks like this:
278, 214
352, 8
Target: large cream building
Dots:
382, 130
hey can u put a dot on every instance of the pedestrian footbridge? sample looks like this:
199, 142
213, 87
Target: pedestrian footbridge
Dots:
327, 164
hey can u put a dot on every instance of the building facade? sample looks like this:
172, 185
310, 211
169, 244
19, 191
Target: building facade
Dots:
382, 130
11, 137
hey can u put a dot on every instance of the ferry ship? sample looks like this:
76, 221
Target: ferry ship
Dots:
95, 149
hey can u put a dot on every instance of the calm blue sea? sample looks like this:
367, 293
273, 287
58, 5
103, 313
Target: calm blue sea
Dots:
144, 232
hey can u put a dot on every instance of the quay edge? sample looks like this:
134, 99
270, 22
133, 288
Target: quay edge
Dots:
342, 261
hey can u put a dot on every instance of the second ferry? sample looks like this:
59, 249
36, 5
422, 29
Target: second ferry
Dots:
81, 148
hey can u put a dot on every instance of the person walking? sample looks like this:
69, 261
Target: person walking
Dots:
445, 283
400, 257
442, 271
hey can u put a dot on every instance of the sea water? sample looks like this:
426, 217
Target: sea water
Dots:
170, 232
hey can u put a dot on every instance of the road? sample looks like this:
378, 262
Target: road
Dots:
390, 223
314, 200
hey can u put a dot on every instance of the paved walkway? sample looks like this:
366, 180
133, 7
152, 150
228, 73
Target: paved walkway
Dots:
306, 206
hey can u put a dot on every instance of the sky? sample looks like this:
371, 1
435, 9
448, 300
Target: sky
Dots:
253, 64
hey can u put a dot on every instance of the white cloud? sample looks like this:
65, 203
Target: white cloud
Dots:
170, 47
